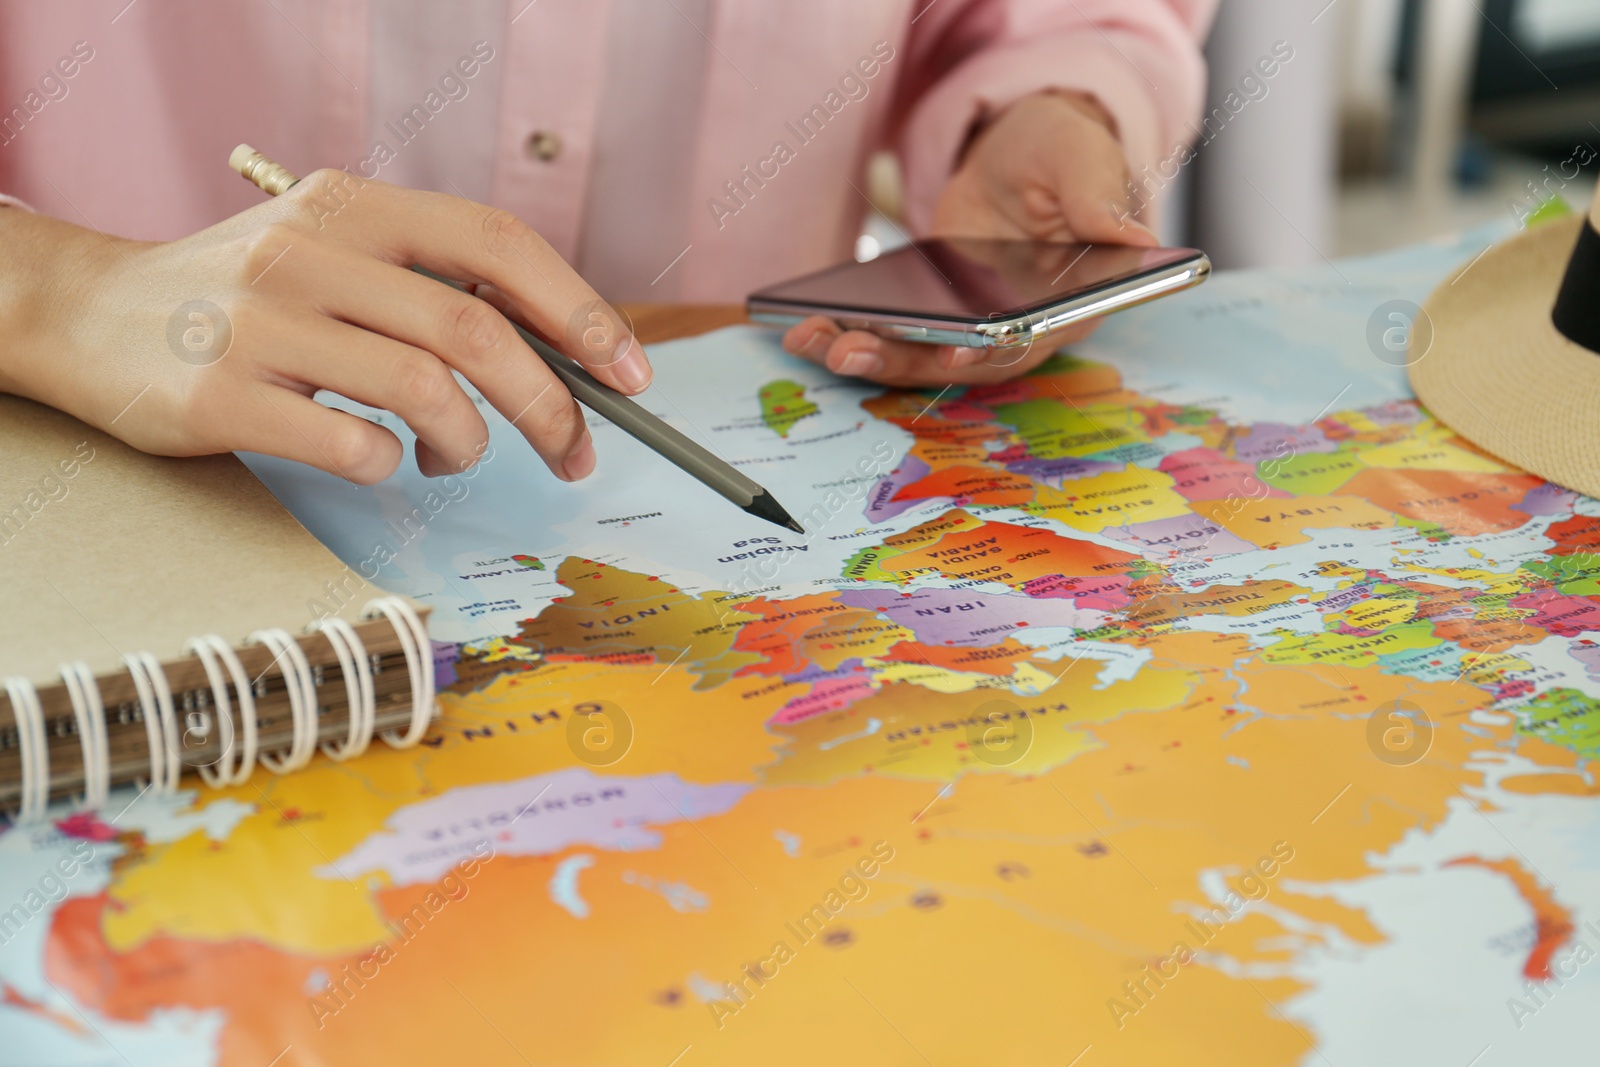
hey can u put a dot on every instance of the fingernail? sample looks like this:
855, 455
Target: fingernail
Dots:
964, 357
631, 368
1143, 231
815, 346
580, 461
429, 462
861, 362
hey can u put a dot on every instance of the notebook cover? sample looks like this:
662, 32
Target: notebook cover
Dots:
105, 550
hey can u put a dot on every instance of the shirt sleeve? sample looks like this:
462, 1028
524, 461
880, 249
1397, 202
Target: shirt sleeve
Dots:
966, 59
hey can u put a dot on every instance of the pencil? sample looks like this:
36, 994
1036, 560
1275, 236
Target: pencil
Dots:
682, 452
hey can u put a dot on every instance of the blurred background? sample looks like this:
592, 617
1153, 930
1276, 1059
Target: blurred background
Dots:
1395, 121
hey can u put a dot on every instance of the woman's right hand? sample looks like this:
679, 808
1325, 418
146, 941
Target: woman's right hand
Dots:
218, 341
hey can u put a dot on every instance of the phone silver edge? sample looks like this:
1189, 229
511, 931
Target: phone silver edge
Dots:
1001, 333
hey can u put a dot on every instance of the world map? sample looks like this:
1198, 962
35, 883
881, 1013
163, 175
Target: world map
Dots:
1196, 696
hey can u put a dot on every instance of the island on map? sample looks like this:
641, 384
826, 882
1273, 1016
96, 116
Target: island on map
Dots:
784, 403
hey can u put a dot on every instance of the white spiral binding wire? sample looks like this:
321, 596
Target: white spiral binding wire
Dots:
33, 743
357, 673
419, 662
222, 667
154, 728
89, 711
160, 720
169, 719
302, 689
211, 648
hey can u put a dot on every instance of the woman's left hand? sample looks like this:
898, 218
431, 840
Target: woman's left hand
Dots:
1048, 168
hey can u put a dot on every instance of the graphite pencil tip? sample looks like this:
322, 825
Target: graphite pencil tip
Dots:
763, 506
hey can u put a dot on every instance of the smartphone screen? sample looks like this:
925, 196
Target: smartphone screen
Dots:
967, 279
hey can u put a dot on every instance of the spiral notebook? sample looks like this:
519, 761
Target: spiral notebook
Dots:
163, 616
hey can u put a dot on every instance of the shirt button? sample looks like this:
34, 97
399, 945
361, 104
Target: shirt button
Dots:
543, 145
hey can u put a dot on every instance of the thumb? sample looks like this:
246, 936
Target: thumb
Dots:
1109, 222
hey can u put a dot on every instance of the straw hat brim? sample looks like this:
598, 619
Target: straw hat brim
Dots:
1494, 368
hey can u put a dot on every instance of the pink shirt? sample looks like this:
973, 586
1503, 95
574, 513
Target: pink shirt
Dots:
670, 149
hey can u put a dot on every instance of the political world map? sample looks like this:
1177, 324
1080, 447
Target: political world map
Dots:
1196, 695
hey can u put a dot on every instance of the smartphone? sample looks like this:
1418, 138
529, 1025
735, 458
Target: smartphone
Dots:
981, 292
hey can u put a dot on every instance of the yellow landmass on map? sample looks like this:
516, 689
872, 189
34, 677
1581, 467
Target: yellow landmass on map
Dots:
1052, 431
1275, 523
855, 634
1115, 498
1376, 613
1495, 584
931, 735
1352, 649
940, 454
1167, 604
1413, 453
939, 679
514, 728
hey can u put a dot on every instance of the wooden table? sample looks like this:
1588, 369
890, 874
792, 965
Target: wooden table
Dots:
665, 322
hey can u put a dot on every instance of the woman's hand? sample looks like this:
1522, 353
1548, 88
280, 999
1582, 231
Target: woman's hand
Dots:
1048, 168
218, 341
